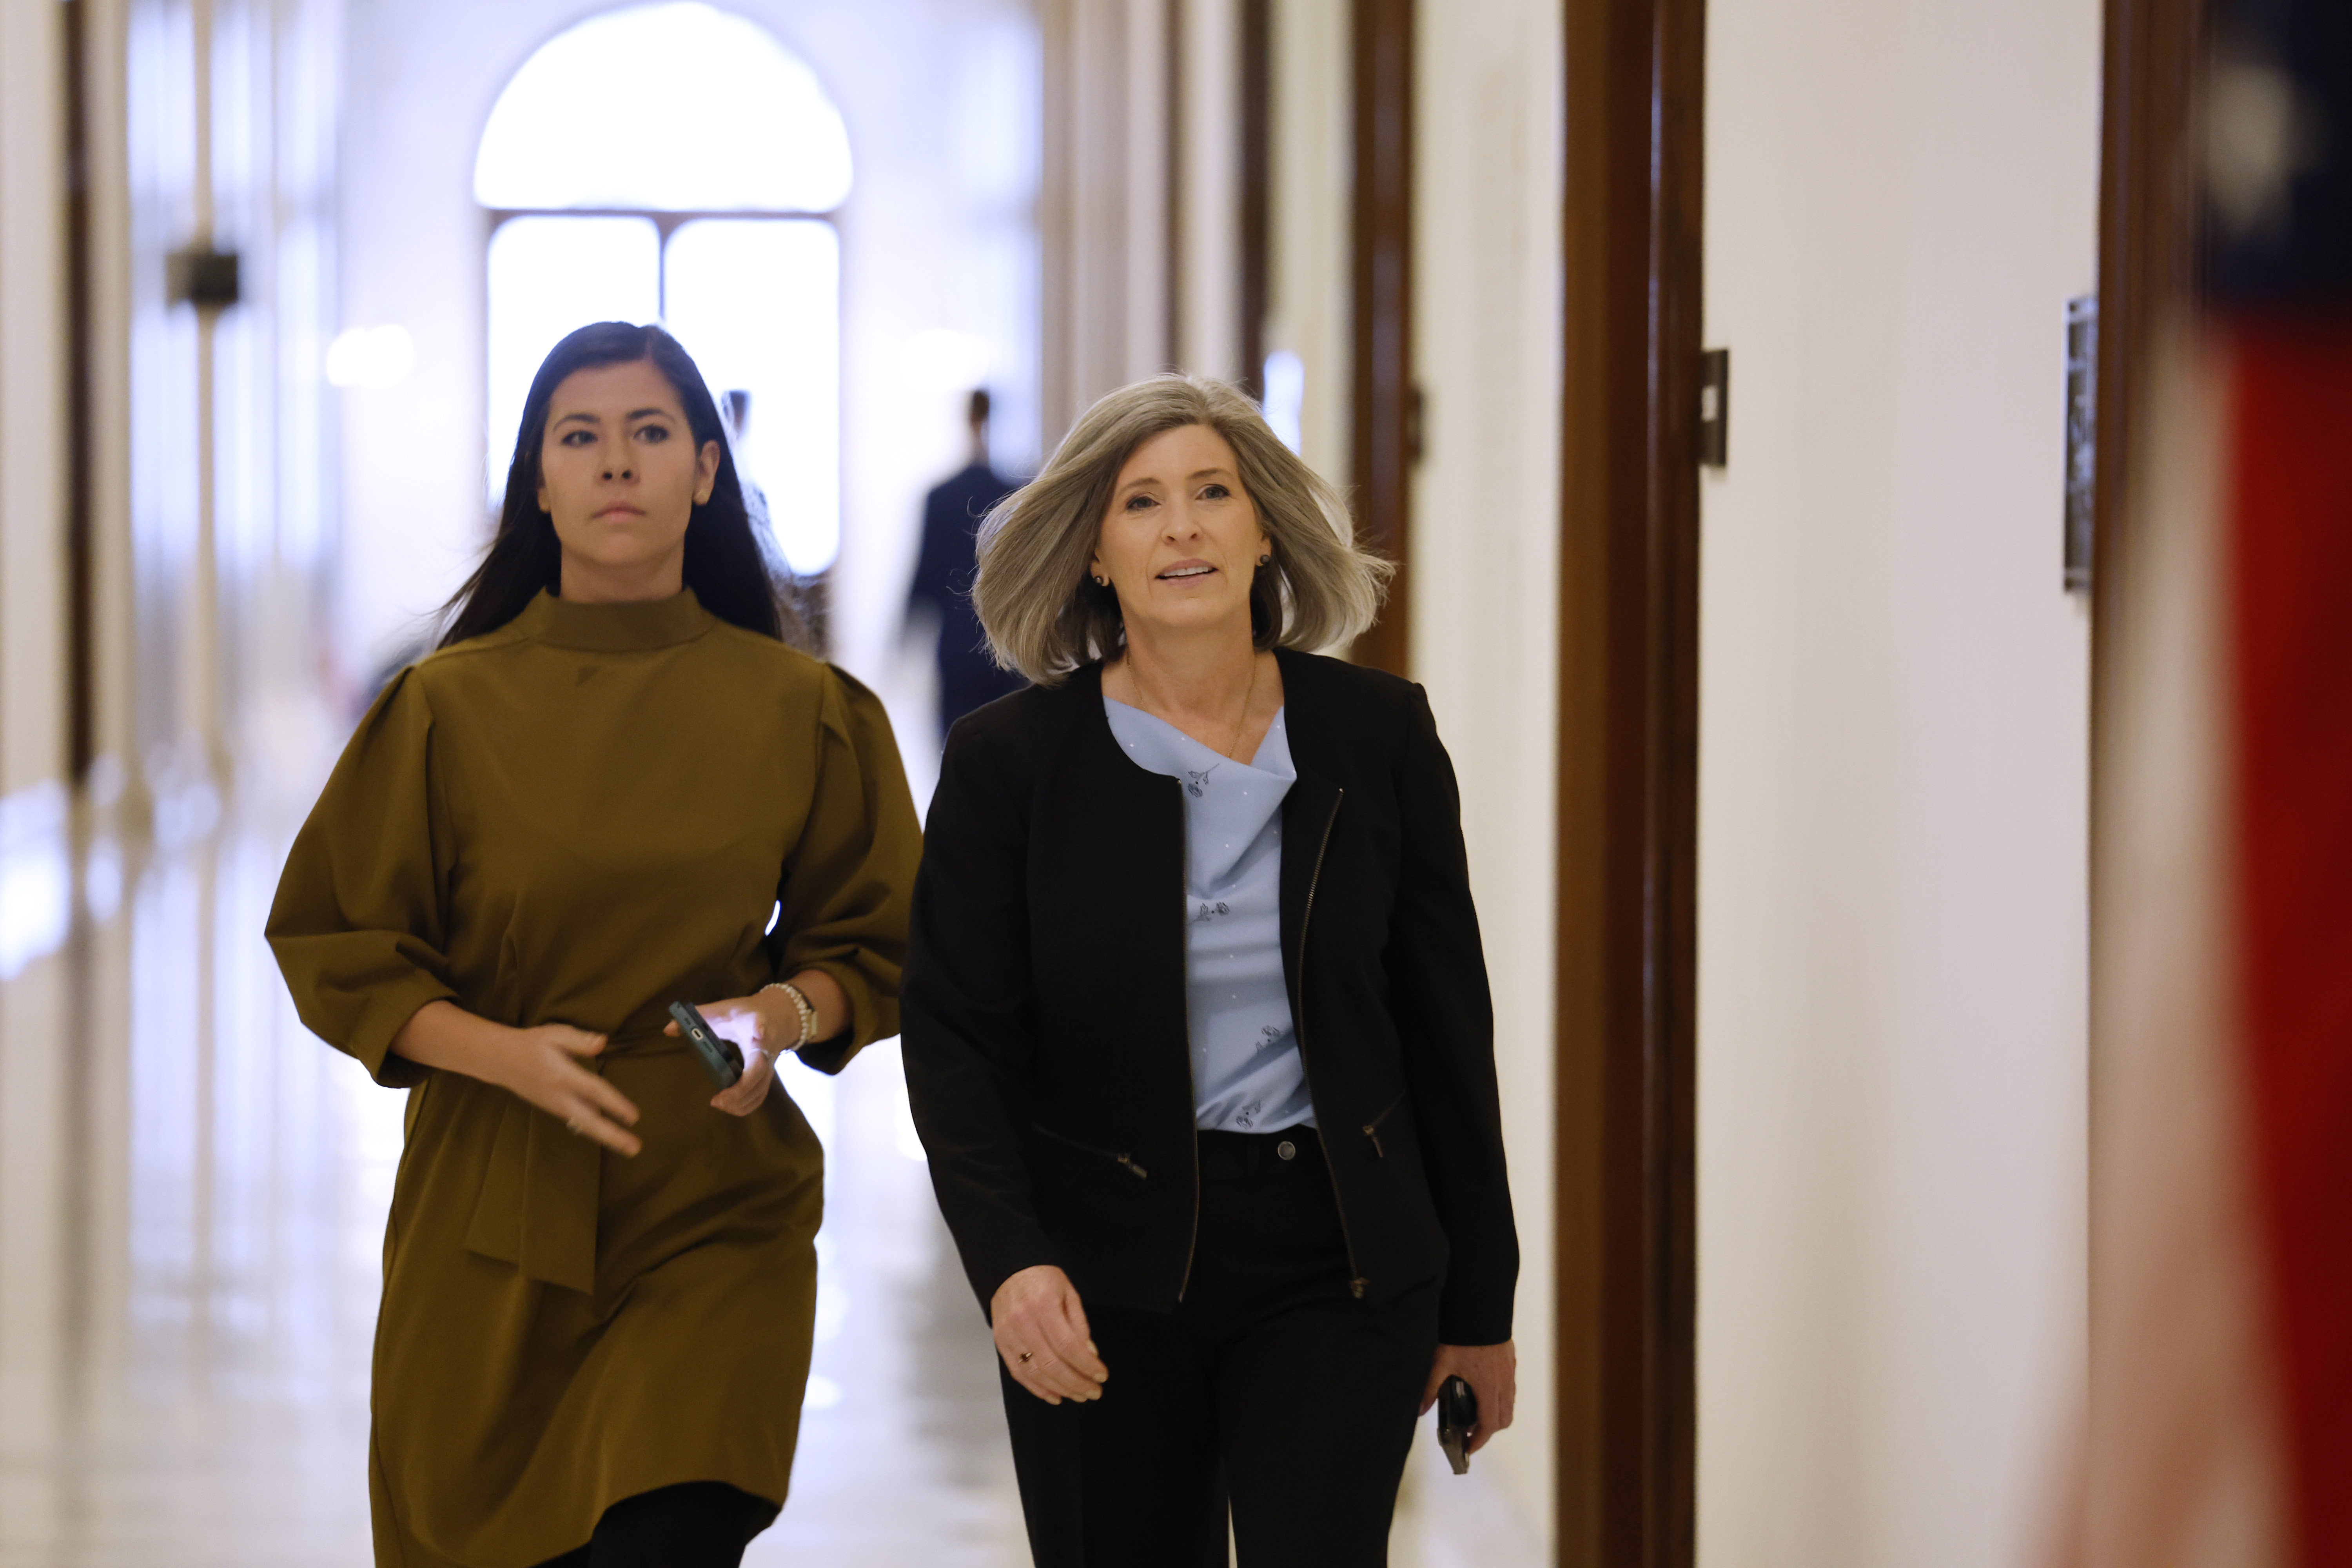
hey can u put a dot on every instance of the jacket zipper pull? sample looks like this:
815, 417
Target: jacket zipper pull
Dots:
1372, 1131
1141, 1173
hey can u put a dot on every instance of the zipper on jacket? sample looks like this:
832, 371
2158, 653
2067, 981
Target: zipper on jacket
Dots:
1357, 1282
1372, 1127
1191, 1127
1113, 1155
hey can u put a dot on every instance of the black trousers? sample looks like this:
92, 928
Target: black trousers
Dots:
1270, 1389
700, 1524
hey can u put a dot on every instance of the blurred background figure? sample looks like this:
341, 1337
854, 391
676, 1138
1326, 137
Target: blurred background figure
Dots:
735, 407
942, 593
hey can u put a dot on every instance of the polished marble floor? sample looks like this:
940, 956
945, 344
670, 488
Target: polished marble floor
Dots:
192, 1192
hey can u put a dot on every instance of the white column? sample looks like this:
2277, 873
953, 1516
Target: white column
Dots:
1208, 249
1104, 204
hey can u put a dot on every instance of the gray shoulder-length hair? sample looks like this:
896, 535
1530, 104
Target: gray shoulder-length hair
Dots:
1044, 616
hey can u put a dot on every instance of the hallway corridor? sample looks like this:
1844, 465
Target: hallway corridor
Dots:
1773, 732
192, 1199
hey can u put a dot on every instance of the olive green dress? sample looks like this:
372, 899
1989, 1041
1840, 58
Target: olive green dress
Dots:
580, 818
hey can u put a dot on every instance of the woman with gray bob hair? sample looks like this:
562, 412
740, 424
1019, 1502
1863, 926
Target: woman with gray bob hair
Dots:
1224, 1169
1045, 616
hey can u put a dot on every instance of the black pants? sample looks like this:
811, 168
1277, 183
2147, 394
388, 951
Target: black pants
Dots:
701, 1524
1270, 1388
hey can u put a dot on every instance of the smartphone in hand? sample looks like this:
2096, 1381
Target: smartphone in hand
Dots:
720, 1057
1457, 1417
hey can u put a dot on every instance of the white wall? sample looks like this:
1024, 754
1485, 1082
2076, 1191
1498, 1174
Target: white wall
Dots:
33, 396
1485, 574
34, 874
213, 508
939, 98
1901, 198
32, 403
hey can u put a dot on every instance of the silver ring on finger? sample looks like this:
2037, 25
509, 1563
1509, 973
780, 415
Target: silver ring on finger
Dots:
573, 1128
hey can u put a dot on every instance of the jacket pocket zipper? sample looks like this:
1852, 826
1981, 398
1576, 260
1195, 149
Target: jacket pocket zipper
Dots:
1372, 1127
1357, 1285
1124, 1162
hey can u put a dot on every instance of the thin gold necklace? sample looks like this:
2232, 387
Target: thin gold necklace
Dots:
1234, 751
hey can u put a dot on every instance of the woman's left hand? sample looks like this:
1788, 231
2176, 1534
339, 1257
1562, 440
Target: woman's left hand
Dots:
754, 1025
1493, 1374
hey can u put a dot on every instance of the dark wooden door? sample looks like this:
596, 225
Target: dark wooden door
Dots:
1625, 1139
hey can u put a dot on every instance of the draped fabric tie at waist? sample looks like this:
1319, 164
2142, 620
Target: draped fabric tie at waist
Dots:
537, 1209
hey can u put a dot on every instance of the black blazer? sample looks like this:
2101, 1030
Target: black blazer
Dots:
1044, 1001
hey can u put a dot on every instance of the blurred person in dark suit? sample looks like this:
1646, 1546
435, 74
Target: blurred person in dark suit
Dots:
951, 517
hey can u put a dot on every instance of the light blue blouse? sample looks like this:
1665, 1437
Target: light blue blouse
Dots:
1246, 1075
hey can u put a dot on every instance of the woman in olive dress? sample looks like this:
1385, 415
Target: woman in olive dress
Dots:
613, 786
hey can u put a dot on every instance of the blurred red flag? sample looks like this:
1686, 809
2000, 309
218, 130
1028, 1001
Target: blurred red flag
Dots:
2220, 1398
2288, 502
2220, 1388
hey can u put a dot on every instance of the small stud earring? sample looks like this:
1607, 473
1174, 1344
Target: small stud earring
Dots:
1102, 582
1266, 559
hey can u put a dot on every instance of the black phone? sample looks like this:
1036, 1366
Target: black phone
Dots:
720, 1057
1457, 1417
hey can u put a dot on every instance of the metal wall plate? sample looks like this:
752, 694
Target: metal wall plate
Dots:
1715, 409
209, 280
2082, 436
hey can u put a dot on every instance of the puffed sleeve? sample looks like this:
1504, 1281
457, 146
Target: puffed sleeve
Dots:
362, 909
848, 883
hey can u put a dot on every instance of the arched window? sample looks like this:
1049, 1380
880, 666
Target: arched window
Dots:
716, 220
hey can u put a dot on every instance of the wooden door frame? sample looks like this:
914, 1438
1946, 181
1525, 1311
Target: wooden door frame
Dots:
1256, 181
1625, 1124
1625, 1118
1383, 400
81, 400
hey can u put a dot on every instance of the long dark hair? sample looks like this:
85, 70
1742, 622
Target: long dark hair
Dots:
731, 564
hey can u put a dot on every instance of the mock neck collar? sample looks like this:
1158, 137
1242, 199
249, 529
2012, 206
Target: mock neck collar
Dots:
615, 628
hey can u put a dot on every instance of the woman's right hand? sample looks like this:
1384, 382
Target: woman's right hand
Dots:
543, 1065
539, 1064
1040, 1333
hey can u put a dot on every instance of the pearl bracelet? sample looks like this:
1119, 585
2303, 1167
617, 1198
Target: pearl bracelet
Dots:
801, 1004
